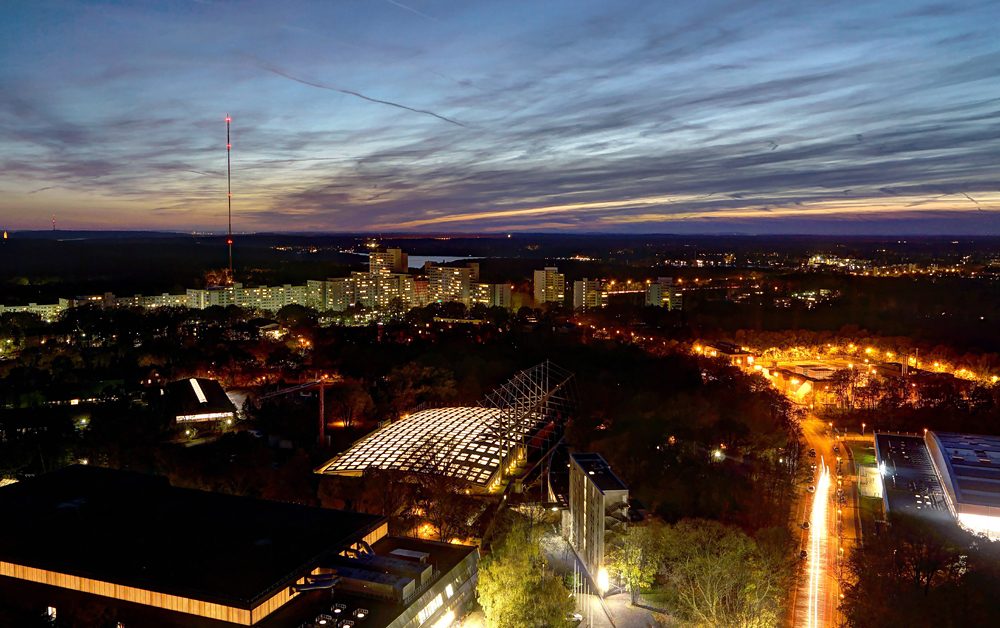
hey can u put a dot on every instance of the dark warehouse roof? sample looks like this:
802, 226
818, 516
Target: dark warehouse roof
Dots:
137, 530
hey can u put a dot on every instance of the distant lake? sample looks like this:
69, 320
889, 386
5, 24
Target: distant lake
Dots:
418, 261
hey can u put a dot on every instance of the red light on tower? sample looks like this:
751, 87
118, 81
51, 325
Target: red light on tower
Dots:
230, 241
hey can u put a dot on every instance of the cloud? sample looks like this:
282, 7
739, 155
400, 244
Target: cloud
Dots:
563, 115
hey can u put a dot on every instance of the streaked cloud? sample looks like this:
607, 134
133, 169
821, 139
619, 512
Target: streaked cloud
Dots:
629, 116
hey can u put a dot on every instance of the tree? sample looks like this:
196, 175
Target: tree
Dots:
415, 382
635, 556
442, 492
297, 316
719, 577
914, 573
516, 588
352, 401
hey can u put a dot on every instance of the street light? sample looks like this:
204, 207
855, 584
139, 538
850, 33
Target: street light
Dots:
602, 580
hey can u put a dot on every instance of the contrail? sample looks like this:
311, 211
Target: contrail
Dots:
973, 200
39, 190
403, 6
363, 97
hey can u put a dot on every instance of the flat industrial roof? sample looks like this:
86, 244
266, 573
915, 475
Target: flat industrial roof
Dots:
599, 472
973, 462
137, 530
442, 556
909, 483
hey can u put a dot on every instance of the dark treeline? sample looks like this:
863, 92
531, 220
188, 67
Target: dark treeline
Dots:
692, 438
915, 574
960, 312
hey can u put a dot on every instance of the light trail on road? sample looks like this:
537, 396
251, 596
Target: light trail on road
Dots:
819, 534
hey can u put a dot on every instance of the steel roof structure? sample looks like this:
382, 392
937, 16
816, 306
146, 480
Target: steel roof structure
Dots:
472, 444
968, 466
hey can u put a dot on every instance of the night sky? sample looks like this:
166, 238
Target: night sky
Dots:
481, 116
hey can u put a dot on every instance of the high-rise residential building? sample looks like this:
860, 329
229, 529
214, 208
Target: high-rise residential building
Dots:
379, 290
395, 289
662, 293
388, 261
421, 291
550, 286
474, 267
316, 294
449, 284
589, 293
596, 496
491, 294
502, 295
340, 294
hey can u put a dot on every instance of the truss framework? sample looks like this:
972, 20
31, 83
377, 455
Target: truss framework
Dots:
528, 402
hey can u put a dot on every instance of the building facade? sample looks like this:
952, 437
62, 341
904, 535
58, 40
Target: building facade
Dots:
388, 284
491, 295
662, 293
589, 293
388, 261
596, 495
550, 286
48, 312
445, 283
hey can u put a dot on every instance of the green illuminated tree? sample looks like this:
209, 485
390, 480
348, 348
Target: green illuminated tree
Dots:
516, 587
635, 556
719, 577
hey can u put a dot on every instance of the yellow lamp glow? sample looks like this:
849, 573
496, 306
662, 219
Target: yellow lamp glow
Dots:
602, 580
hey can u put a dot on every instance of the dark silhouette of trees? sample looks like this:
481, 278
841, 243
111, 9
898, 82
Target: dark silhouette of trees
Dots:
913, 573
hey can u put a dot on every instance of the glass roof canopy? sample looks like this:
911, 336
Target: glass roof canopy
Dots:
468, 443
455, 442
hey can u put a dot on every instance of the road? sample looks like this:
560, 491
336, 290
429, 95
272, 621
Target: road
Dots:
831, 524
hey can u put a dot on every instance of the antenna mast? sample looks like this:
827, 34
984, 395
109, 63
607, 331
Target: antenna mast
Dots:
229, 185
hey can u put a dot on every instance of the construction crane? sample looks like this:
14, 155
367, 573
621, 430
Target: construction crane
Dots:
321, 382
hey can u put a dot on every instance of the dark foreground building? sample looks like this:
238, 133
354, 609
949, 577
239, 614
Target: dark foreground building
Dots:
154, 555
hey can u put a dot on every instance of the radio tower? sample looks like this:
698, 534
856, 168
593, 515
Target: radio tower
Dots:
229, 185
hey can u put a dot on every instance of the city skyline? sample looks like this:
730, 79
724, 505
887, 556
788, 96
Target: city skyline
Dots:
448, 117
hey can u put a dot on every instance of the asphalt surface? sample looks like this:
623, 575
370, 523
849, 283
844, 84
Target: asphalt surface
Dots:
827, 541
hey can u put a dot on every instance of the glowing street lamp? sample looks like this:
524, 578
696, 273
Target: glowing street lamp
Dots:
602, 580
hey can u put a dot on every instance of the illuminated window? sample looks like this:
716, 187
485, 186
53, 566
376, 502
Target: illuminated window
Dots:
50, 612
